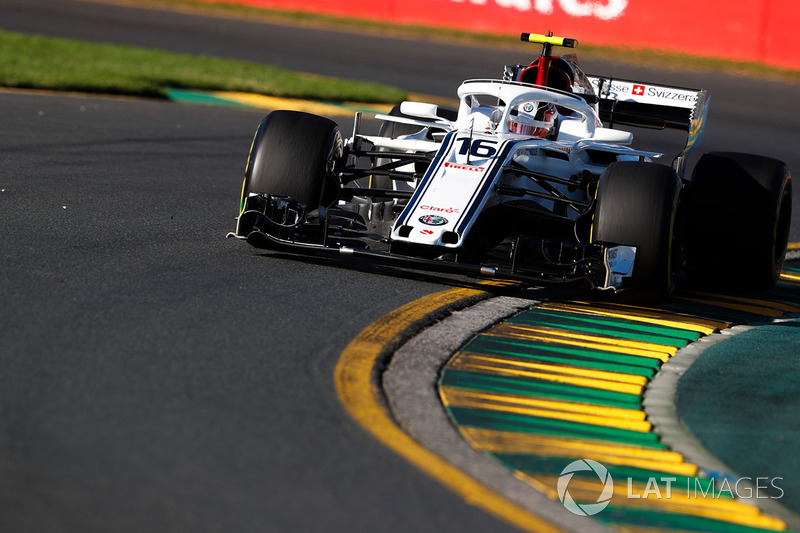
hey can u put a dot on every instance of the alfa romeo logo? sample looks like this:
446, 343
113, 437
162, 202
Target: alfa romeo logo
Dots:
433, 220
585, 509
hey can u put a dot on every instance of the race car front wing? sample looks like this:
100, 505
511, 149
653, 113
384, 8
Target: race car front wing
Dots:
280, 225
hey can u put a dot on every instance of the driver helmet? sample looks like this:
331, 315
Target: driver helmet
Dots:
536, 119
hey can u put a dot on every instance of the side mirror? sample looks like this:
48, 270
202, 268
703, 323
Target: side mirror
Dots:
613, 136
420, 110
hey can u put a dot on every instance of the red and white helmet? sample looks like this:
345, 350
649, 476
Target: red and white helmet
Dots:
536, 119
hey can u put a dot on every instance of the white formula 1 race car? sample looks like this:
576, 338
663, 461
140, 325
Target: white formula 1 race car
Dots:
526, 181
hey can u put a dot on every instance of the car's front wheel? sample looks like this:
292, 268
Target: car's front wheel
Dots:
636, 205
293, 155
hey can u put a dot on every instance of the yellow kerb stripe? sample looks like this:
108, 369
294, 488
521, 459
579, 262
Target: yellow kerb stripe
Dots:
789, 282
557, 378
453, 395
470, 358
361, 397
706, 327
661, 356
660, 313
523, 329
261, 101
618, 423
516, 442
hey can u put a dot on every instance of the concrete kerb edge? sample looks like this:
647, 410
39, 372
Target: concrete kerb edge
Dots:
410, 385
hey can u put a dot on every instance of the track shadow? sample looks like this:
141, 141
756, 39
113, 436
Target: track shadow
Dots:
502, 288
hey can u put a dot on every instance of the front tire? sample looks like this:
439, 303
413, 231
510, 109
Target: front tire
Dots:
740, 212
636, 205
293, 155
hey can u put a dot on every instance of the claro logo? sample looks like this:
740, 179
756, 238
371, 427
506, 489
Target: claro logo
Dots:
602, 9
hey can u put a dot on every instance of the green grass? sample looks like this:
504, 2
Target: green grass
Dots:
36, 62
643, 56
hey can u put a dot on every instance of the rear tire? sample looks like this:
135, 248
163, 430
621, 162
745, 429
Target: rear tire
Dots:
293, 155
738, 220
636, 205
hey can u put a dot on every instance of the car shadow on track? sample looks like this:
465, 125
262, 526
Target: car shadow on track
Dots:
535, 293
495, 286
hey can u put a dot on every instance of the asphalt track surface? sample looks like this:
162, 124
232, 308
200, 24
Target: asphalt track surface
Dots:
155, 376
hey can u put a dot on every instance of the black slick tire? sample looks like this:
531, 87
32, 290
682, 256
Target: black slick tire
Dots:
738, 219
292, 156
636, 205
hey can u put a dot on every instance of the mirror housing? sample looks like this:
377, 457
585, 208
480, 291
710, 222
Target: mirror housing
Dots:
420, 110
613, 136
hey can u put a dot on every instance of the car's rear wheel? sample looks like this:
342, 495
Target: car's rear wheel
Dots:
738, 220
636, 205
293, 155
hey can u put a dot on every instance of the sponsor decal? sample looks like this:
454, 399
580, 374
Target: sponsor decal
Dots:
611, 88
471, 168
604, 10
620, 90
665, 94
433, 220
426, 231
565, 149
450, 210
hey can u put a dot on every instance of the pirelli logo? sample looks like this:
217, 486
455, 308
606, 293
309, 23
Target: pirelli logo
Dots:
456, 166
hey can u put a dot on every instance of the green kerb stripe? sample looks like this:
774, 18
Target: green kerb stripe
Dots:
464, 379
533, 424
553, 465
605, 328
568, 362
626, 323
198, 97
521, 348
